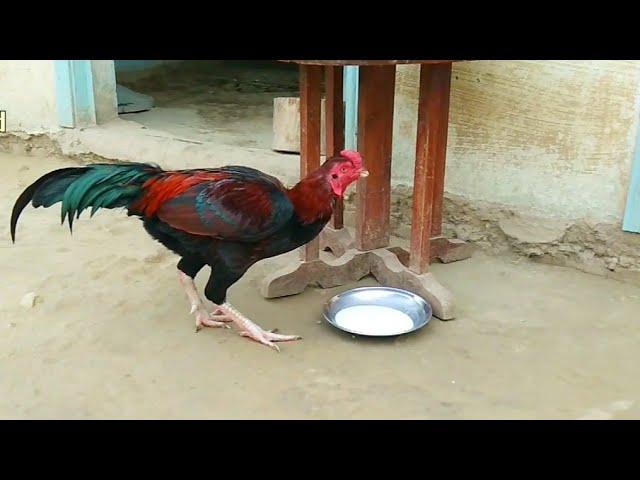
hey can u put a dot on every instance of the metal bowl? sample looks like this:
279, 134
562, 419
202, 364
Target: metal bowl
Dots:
408, 303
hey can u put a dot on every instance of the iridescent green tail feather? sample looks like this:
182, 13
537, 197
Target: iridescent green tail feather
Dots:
100, 185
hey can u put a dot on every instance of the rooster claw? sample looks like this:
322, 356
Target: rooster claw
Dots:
269, 337
263, 341
204, 319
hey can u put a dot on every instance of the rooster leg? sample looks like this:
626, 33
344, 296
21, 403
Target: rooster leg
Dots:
249, 329
203, 318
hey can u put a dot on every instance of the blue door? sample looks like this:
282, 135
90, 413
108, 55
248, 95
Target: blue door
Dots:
74, 93
631, 221
351, 107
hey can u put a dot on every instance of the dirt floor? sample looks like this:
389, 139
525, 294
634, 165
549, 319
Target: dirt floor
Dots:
227, 102
110, 336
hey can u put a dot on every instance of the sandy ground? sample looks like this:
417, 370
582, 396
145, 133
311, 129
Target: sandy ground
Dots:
110, 337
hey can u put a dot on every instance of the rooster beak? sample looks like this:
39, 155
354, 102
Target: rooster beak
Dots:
364, 174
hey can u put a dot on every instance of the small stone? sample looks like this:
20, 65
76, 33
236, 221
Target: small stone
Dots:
29, 300
625, 261
611, 263
529, 229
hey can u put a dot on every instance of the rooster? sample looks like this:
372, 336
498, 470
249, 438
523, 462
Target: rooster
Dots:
228, 218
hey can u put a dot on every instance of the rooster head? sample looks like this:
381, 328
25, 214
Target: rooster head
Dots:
343, 170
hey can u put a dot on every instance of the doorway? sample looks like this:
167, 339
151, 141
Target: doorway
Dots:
226, 102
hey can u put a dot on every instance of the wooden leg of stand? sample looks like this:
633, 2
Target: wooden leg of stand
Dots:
310, 84
433, 108
375, 130
334, 128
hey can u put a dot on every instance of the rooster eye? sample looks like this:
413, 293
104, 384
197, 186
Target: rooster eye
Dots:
343, 169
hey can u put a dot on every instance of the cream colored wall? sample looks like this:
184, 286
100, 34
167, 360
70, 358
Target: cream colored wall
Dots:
28, 94
554, 138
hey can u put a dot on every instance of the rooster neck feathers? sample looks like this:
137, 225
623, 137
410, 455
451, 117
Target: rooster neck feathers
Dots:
312, 199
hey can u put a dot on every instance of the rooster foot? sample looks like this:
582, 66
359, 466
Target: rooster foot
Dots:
206, 319
268, 338
254, 332
203, 318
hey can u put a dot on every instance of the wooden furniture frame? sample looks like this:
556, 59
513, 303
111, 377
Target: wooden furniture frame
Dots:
369, 252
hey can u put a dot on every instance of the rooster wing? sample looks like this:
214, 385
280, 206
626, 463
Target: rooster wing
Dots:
229, 203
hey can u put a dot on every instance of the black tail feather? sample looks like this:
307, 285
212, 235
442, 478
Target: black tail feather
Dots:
26, 196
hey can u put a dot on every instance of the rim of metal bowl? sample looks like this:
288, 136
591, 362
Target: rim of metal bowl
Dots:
417, 298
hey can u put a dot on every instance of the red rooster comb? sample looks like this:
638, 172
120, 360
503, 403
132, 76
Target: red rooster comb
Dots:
354, 156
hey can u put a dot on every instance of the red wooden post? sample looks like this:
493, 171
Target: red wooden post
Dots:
334, 123
428, 182
310, 85
443, 91
375, 130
